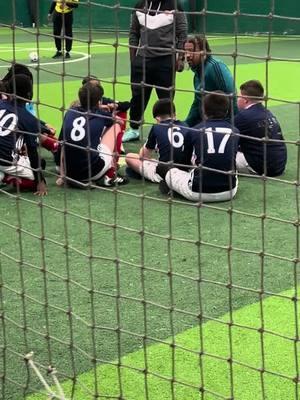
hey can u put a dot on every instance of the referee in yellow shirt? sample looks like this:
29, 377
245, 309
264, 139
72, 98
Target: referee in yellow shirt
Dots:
61, 12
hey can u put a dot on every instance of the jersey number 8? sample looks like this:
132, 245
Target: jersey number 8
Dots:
78, 131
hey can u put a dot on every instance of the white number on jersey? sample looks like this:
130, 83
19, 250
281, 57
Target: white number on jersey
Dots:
78, 131
175, 136
4, 131
210, 139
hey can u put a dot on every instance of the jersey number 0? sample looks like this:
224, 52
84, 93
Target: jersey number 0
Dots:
6, 130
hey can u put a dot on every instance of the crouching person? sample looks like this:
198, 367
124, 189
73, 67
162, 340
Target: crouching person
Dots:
88, 140
215, 143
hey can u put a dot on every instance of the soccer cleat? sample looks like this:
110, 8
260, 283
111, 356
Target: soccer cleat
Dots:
67, 55
164, 188
57, 54
116, 181
130, 135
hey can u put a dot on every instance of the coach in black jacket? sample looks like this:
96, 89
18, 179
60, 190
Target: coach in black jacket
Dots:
158, 30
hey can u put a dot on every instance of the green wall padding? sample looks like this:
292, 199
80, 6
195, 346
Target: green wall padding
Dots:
15, 11
111, 15
212, 23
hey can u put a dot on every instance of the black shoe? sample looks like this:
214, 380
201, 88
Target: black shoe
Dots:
58, 54
164, 188
132, 174
43, 164
67, 55
116, 181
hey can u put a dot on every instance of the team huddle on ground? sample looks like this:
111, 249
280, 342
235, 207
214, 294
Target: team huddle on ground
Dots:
224, 133
200, 162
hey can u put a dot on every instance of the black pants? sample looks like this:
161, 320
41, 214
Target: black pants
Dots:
62, 23
33, 11
152, 72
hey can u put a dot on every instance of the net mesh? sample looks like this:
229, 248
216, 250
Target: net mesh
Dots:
133, 295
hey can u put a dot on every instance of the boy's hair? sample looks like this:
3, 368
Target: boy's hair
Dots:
163, 108
17, 69
252, 88
20, 85
200, 42
90, 95
216, 105
90, 78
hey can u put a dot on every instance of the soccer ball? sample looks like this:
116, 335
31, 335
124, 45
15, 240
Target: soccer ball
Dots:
33, 56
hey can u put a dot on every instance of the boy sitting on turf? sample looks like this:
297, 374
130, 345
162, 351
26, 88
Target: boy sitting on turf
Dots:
47, 137
87, 147
170, 137
116, 109
20, 164
215, 143
264, 150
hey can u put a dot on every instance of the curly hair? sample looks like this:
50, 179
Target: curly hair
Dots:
199, 42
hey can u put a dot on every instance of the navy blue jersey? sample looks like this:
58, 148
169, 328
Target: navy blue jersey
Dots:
81, 131
17, 127
258, 122
215, 145
172, 140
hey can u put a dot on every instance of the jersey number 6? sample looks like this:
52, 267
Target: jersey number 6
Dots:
175, 137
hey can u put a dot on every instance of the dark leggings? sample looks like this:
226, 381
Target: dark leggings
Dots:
62, 23
154, 72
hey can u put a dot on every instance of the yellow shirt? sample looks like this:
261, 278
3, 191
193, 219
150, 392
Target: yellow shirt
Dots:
62, 8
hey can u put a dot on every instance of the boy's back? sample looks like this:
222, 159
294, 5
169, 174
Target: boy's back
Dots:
215, 144
15, 121
259, 122
81, 132
172, 140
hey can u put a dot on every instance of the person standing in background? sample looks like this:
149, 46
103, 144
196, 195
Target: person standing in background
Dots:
61, 12
157, 34
33, 12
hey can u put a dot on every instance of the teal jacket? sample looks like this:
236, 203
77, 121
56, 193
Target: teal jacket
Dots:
217, 76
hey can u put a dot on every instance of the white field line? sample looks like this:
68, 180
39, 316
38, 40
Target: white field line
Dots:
85, 56
79, 46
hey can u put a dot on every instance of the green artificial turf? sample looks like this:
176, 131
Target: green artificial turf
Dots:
77, 265
256, 338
